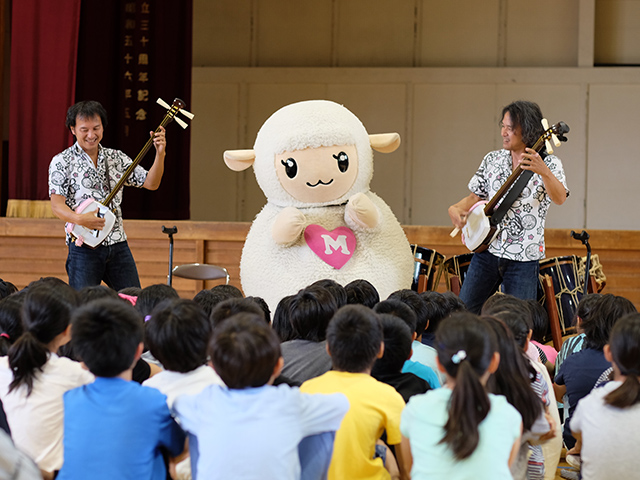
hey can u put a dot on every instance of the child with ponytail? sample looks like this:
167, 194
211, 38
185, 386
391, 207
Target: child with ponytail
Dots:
33, 377
606, 423
459, 430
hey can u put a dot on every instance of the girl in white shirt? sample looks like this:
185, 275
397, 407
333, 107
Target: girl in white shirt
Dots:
33, 378
606, 422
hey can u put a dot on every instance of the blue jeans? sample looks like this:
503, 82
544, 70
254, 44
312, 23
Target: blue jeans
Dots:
486, 273
315, 454
112, 263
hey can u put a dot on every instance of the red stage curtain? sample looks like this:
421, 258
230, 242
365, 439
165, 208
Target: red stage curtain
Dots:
131, 52
44, 40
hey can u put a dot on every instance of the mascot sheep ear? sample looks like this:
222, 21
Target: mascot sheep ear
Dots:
239, 160
383, 142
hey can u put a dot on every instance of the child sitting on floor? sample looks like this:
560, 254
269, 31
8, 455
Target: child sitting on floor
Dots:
607, 421
305, 356
580, 371
423, 354
397, 349
252, 429
178, 335
114, 427
33, 377
354, 342
460, 431
405, 313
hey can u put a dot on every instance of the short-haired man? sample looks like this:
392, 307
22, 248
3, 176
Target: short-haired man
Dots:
87, 170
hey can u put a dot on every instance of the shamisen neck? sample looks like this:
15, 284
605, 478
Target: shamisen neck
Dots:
516, 158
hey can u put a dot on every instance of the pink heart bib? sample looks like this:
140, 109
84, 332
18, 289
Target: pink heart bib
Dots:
334, 247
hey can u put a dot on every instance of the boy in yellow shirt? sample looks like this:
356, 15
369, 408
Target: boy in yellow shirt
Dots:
354, 342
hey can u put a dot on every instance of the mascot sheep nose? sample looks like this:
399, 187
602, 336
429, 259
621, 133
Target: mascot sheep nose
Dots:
308, 231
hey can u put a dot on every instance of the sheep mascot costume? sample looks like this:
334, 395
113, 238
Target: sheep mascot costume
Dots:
314, 161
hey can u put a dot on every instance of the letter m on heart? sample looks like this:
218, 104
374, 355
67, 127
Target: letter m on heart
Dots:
331, 245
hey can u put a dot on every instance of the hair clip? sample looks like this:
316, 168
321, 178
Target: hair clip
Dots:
458, 357
5, 335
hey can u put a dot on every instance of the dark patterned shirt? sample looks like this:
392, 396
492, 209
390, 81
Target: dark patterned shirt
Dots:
73, 175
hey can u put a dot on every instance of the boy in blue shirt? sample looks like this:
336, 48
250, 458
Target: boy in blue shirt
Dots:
113, 427
251, 429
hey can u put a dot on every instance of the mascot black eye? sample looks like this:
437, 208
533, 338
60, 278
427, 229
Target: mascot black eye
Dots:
290, 167
343, 161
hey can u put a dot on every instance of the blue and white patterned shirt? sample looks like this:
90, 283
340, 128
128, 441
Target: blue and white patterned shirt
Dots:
73, 175
521, 232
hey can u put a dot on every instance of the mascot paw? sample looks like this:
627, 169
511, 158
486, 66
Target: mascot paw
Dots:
361, 212
288, 226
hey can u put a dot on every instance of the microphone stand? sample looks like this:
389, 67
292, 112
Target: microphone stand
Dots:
584, 238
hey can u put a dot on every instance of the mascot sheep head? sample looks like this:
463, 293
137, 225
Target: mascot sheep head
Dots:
312, 154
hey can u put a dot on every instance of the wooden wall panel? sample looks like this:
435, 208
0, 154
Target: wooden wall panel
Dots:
471, 38
215, 129
30, 249
544, 34
222, 32
376, 33
616, 32
613, 163
448, 119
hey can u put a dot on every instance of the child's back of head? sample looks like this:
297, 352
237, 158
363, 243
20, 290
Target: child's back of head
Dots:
415, 301
399, 309
264, 306
45, 316
227, 291
10, 321
152, 295
209, 298
514, 312
337, 290
106, 335
397, 345
232, 306
362, 292
585, 307
624, 349
178, 335
354, 338
281, 322
310, 311
244, 351
6, 289
539, 321
605, 313
437, 308
95, 292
